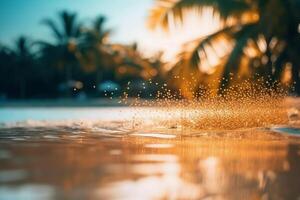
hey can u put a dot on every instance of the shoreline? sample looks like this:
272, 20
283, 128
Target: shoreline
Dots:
101, 102
96, 102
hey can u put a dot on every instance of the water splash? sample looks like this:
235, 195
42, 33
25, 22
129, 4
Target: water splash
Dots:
244, 105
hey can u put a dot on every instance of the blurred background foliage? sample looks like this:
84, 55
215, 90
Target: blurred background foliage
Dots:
256, 39
80, 61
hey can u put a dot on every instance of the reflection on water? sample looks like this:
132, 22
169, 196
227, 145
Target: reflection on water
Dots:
114, 154
27, 192
106, 161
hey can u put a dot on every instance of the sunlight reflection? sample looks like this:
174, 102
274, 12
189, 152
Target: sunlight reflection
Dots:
152, 187
111, 161
212, 175
159, 146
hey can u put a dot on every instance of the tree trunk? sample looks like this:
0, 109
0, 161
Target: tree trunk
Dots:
269, 64
68, 72
22, 88
99, 69
296, 79
98, 76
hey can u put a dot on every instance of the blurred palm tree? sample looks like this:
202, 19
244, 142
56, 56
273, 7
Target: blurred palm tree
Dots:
63, 52
261, 36
23, 58
21, 73
130, 64
132, 67
95, 49
6, 68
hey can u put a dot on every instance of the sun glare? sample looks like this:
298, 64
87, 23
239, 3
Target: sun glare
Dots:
170, 42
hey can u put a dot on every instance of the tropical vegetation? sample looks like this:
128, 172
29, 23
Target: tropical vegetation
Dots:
261, 39
75, 61
255, 39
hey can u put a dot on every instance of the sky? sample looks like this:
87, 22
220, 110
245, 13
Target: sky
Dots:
23, 17
127, 19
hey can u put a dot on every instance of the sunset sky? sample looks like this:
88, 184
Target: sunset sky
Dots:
127, 18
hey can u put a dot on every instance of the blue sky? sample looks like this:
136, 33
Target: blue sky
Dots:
23, 17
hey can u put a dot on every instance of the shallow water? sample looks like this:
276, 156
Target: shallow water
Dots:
103, 153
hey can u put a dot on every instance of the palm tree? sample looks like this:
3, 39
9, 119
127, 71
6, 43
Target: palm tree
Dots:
130, 64
6, 68
94, 48
263, 34
23, 64
64, 52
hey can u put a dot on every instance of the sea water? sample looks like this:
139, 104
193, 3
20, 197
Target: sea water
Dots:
148, 153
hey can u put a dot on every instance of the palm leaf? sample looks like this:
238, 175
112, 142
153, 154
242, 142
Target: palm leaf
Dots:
233, 62
166, 10
52, 25
209, 40
67, 19
99, 23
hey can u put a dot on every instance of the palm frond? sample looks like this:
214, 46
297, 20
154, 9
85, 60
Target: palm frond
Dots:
166, 10
233, 61
54, 28
209, 40
69, 23
99, 23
